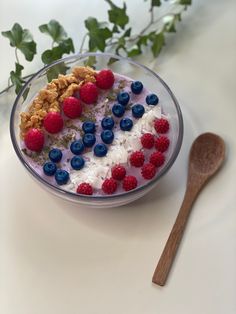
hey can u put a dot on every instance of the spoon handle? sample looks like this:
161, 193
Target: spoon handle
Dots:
172, 244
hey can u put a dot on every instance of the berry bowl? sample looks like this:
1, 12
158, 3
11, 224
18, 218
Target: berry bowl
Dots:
96, 129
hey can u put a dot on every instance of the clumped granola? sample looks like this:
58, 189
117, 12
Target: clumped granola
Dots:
50, 98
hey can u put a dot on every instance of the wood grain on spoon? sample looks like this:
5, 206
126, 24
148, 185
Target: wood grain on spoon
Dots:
206, 156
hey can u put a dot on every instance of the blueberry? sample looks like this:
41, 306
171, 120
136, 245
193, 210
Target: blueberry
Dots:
136, 87
61, 176
77, 147
126, 124
107, 136
152, 99
88, 127
49, 168
77, 162
89, 139
55, 155
123, 98
138, 110
118, 110
100, 150
108, 123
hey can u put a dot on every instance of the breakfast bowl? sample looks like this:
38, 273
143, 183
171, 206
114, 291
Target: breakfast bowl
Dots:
96, 129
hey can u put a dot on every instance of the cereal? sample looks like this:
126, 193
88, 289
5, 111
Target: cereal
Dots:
49, 99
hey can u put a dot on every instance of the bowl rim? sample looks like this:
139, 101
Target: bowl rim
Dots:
73, 58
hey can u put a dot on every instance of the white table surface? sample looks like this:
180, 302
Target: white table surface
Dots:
56, 257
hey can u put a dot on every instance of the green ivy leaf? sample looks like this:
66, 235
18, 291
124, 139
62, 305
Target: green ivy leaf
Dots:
57, 69
98, 34
158, 40
50, 55
127, 33
54, 30
185, 2
22, 40
16, 77
134, 52
115, 29
143, 40
170, 26
155, 3
117, 15
67, 46
91, 61
178, 17
112, 60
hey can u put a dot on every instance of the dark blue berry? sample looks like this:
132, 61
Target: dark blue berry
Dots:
49, 168
138, 110
88, 127
77, 147
123, 98
118, 110
107, 136
77, 162
55, 155
100, 150
152, 99
108, 123
61, 176
126, 124
89, 139
136, 87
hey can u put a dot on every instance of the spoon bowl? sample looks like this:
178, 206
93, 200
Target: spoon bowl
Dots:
207, 153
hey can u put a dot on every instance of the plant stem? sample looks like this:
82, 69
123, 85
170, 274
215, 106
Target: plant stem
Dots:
16, 55
82, 43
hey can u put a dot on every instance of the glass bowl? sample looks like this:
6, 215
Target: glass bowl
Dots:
126, 67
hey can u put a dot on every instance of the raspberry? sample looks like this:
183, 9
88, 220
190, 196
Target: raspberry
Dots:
157, 159
161, 125
105, 79
118, 172
147, 140
53, 122
72, 107
162, 143
88, 93
34, 140
148, 171
137, 159
129, 183
85, 188
109, 186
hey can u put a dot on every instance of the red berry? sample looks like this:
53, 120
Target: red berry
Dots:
118, 172
53, 122
137, 159
148, 171
34, 140
105, 79
129, 183
84, 188
157, 159
88, 93
161, 125
109, 186
147, 140
72, 107
162, 143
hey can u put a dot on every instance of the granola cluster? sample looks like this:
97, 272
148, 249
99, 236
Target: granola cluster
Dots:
51, 97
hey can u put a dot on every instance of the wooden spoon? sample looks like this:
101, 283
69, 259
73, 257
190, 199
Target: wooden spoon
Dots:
206, 156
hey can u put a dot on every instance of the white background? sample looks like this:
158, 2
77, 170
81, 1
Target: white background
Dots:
56, 257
